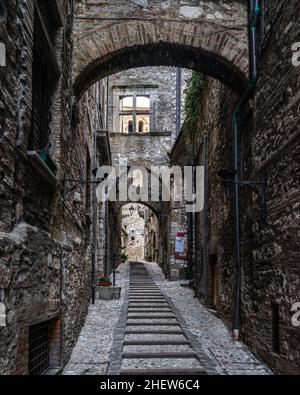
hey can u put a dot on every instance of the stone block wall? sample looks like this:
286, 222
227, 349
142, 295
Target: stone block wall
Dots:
160, 84
269, 146
45, 234
273, 278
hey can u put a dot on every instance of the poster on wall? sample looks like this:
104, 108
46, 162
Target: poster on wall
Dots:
181, 245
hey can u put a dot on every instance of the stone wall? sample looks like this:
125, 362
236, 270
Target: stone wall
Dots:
110, 39
269, 144
45, 233
273, 277
160, 84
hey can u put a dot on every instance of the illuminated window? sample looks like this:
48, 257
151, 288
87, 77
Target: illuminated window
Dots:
135, 114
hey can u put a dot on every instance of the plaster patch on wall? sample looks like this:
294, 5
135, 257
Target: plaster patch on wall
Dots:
190, 12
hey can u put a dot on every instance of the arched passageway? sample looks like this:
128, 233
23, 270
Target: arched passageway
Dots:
211, 38
139, 233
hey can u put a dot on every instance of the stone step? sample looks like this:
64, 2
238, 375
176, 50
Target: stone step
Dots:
142, 307
161, 321
149, 316
164, 372
145, 292
144, 355
161, 363
153, 331
150, 310
158, 348
146, 303
155, 342
152, 323
147, 298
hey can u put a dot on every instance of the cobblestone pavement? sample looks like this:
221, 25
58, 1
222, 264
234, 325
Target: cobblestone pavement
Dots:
232, 357
149, 318
94, 351
91, 354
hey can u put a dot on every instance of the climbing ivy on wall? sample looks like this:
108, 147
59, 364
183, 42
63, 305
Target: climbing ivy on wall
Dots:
192, 98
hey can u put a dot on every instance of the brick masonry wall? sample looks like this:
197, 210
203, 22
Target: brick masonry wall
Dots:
109, 38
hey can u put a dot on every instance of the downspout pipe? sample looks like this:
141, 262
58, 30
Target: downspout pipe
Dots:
255, 12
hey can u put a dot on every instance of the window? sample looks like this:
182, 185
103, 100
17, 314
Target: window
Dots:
135, 114
45, 72
275, 328
3, 11
44, 347
39, 348
130, 126
141, 126
40, 93
88, 184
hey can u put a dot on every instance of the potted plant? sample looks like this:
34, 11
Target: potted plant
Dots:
104, 281
124, 257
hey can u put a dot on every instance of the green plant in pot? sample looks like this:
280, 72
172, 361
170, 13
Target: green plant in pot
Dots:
104, 281
124, 257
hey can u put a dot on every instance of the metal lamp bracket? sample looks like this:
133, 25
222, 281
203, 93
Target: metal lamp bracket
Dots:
76, 183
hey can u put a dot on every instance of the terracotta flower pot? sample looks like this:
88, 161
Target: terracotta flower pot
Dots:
105, 283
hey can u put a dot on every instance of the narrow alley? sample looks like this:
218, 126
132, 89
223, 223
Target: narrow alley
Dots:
157, 327
149, 189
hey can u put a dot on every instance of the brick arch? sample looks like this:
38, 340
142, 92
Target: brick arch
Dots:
211, 38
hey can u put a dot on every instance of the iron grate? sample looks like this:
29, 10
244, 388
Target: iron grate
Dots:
40, 92
39, 347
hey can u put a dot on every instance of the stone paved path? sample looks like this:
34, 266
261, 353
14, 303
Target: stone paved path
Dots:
100, 346
151, 337
234, 358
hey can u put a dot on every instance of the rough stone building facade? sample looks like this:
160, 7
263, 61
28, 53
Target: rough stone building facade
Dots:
49, 113
165, 88
47, 148
164, 34
269, 146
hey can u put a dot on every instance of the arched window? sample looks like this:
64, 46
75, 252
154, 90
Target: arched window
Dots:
134, 114
130, 127
141, 126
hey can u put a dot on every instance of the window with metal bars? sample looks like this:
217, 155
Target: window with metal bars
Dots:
39, 348
39, 137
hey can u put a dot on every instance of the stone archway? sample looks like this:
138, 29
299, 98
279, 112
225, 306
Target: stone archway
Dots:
210, 37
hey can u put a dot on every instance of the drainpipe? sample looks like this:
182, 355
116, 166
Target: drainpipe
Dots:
95, 213
178, 100
255, 10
